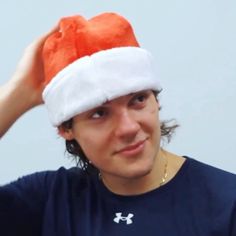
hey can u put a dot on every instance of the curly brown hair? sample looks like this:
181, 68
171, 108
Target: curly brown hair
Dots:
167, 127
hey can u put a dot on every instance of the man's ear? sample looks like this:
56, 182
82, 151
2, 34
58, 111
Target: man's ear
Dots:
67, 134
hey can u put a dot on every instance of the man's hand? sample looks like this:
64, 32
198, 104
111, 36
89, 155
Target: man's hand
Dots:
24, 90
29, 74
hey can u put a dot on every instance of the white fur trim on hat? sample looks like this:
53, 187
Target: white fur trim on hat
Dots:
93, 80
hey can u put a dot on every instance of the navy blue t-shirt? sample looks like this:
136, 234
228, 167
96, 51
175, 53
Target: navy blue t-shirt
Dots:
199, 201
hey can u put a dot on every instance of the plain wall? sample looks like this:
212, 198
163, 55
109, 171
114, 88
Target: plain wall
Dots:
193, 43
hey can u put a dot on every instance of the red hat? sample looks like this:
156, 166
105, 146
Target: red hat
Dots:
88, 62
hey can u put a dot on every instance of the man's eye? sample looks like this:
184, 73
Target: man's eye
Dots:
98, 114
139, 99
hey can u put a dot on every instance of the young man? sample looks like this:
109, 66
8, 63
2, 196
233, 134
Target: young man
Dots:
102, 94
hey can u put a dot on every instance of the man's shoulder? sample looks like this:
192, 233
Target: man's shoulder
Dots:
214, 180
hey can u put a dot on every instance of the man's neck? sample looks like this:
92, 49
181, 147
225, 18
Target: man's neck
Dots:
140, 184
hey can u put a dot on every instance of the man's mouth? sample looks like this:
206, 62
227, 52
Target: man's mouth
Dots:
133, 149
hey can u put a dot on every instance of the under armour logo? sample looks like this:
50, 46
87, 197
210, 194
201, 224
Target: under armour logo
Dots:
119, 218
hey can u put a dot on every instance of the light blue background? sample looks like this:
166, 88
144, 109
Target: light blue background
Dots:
195, 50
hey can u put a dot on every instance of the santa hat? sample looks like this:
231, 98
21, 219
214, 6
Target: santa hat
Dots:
89, 62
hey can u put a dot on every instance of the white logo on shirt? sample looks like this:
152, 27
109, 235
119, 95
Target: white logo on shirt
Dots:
119, 218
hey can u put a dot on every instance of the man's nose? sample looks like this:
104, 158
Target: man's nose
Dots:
127, 126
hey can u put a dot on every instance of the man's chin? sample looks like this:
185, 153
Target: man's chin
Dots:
137, 174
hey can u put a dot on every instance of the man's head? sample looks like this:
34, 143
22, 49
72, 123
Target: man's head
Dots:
91, 125
121, 137
94, 64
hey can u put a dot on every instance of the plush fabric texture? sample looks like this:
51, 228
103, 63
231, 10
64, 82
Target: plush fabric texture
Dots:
78, 37
93, 80
88, 62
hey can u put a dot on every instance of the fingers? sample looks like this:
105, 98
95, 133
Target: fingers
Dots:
45, 36
39, 42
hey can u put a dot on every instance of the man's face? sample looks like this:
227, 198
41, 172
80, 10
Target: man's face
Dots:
121, 137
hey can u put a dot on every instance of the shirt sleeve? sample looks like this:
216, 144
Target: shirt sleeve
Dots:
233, 222
22, 205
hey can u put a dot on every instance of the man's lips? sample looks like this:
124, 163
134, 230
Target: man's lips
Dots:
132, 148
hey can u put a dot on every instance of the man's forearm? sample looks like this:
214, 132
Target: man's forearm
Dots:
13, 103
